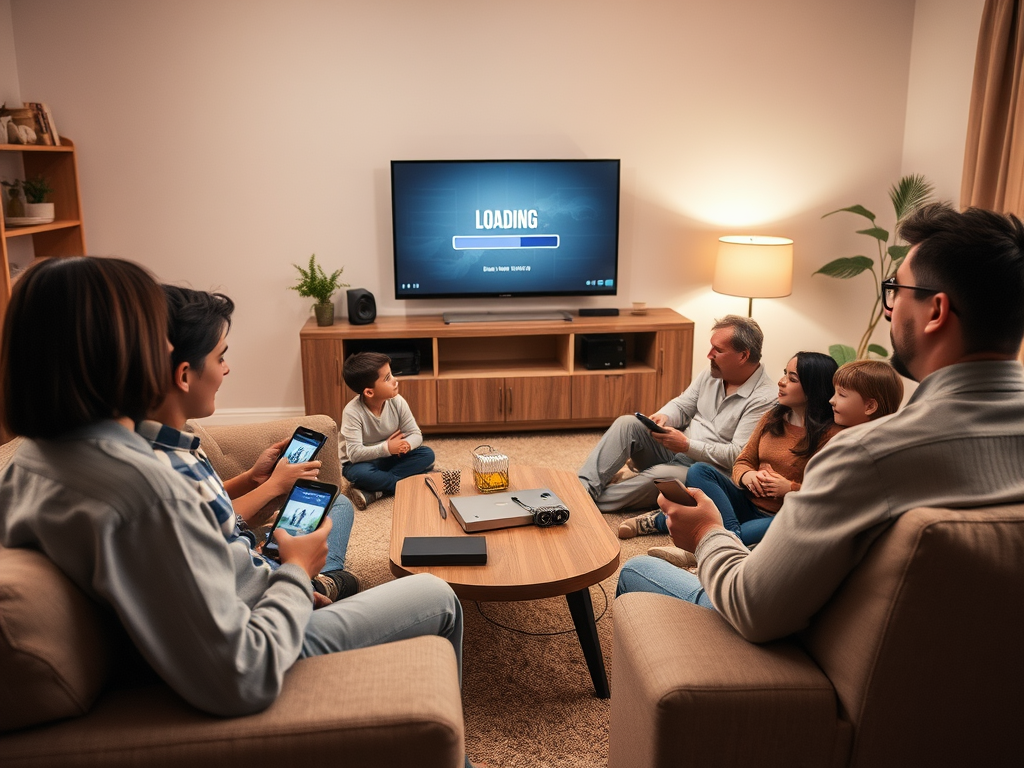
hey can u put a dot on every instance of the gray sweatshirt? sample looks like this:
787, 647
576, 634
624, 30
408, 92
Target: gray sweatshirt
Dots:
131, 533
364, 437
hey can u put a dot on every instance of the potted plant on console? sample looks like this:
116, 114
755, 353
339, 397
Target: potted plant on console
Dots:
317, 284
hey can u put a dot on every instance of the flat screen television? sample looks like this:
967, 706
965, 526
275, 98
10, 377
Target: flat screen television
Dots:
497, 228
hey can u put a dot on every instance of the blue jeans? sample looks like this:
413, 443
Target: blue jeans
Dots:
651, 574
739, 514
383, 474
412, 606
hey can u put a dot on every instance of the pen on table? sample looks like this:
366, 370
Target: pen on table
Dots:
440, 504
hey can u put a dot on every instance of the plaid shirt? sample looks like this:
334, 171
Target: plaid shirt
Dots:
181, 452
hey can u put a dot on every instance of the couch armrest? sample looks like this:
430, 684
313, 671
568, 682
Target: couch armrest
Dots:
686, 684
397, 705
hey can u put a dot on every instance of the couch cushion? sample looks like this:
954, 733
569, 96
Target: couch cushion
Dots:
54, 656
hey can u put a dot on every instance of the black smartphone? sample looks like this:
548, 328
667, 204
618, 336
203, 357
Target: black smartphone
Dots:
304, 445
674, 490
303, 512
649, 423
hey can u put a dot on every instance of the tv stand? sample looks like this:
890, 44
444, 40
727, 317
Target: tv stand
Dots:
504, 374
505, 317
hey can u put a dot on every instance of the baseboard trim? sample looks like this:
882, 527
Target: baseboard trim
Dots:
225, 416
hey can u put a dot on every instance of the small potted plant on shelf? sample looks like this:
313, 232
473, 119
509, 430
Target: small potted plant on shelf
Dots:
36, 189
317, 284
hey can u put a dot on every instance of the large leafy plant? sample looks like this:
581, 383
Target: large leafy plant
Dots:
317, 284
907, 195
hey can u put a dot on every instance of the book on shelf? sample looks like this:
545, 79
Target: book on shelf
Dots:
46, 130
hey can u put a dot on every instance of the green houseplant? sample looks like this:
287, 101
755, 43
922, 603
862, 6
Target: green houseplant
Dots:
36, 189
907, 195
317, 284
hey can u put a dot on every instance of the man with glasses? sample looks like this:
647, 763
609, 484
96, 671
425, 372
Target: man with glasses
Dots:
956, 305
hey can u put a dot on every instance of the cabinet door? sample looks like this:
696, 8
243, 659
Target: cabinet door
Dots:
608, 395
676, 363
322, 386
538, 398
470, 401
421, 394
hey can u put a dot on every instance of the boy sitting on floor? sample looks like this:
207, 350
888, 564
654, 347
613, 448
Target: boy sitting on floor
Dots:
380, 441
198, 324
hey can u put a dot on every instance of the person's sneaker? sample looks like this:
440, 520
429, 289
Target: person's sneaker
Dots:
641, 525
336, 585
680, 558
362, 499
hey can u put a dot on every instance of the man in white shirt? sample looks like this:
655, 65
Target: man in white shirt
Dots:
711, 422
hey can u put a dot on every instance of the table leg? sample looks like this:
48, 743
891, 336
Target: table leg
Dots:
582, 611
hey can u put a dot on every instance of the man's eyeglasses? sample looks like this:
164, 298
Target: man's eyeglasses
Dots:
890, 286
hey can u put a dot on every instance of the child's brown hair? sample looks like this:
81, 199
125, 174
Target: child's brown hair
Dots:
873, 380
362, 369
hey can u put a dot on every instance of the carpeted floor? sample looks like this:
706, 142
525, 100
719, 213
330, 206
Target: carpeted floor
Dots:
527, 695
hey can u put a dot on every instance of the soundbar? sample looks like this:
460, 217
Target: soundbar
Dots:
505, 317
599, 312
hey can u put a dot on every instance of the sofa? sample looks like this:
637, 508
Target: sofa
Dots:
392, 705
916, 660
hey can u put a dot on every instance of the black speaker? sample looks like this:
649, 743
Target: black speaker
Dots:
362, 309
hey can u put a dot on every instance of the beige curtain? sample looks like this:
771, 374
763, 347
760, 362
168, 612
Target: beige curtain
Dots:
994, 156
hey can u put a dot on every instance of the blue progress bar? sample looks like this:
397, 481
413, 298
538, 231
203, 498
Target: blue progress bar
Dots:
493, 242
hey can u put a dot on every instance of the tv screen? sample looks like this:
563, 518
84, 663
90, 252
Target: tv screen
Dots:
495, 228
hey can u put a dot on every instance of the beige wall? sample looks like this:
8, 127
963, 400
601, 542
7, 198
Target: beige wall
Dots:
221, 141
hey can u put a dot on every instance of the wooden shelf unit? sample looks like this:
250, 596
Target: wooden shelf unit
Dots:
510, 375
65, 235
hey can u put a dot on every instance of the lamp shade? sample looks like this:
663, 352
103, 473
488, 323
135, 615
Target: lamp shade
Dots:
754, 267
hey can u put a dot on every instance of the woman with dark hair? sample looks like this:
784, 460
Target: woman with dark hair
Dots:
773, 460
84, 356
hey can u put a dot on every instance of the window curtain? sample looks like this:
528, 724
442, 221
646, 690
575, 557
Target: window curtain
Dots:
994, 157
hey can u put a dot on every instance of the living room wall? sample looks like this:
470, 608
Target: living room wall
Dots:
222, 141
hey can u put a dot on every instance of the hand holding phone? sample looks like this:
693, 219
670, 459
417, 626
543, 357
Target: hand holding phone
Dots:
303, 512
674, 490
650, 423
304, 445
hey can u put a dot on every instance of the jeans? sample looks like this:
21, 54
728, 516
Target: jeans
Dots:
739, 513
651, 574
383, 474
412, 606
625, 439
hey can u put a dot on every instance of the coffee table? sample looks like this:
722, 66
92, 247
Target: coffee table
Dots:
523, 563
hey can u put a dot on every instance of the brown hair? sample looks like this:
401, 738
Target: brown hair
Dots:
84, 339
361, 370
873, 380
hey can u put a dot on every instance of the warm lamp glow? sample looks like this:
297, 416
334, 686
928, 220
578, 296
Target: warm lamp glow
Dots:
754, 267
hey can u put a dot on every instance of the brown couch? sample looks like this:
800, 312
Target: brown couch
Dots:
918, 659
391, 705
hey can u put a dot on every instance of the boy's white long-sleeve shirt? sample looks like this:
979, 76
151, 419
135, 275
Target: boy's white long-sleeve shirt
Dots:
364, 437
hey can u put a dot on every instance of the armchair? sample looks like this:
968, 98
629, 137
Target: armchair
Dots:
916, 660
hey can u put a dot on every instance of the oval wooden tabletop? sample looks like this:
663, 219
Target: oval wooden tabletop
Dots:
523, 563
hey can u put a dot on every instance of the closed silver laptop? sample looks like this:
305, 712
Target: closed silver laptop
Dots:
497, 510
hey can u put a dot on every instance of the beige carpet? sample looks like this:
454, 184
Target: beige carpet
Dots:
528, 699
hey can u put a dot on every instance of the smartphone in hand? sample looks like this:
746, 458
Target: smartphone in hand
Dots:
674, 490
304, 445
303, 512
649, 423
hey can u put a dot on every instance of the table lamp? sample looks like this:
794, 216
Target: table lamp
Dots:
754, 267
